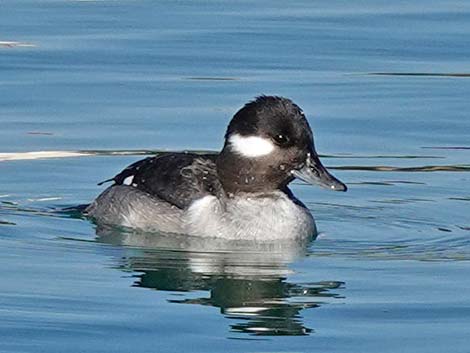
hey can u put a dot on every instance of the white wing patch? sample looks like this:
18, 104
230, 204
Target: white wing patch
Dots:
250, 146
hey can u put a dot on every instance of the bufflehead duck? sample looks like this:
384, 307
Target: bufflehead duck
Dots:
240, 193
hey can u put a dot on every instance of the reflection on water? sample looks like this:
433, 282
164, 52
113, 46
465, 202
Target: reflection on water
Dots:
94, 84
246, 280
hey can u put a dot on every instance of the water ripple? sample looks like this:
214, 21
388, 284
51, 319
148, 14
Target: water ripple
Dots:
376, 168
422, 74
447, 249
427, 168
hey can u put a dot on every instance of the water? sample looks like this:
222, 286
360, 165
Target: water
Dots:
389, 271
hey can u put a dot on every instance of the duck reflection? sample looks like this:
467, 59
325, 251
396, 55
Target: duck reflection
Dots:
246, 280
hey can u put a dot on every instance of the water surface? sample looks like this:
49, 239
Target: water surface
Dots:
385, 87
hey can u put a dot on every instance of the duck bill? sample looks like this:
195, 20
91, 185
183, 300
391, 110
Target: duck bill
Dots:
313, 172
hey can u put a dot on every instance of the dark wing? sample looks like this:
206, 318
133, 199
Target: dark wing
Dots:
178, 178
129, 171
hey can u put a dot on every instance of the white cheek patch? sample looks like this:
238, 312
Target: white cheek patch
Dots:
128, 180
250, 146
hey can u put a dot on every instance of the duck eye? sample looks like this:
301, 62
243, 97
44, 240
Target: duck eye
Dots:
281, 139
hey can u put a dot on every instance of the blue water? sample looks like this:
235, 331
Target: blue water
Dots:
389, 271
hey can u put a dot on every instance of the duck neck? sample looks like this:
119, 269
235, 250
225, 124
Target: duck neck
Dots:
239, 174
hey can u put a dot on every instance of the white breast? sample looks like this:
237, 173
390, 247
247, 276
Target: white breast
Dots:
261, 217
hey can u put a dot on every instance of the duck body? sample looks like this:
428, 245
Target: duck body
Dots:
240, 193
